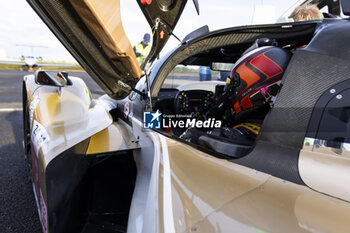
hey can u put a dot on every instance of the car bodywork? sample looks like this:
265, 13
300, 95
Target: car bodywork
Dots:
95, 168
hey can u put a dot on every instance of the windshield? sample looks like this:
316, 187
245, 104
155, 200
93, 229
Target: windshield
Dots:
186, 77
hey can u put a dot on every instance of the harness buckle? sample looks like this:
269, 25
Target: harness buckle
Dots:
265, 93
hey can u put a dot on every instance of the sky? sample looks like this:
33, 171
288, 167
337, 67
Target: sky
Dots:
20, 26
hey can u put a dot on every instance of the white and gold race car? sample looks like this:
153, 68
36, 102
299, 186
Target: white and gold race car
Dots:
170, 147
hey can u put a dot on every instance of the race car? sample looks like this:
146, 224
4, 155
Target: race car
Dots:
118, 163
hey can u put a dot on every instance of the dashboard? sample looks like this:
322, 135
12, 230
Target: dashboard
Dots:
194, 102
186, 102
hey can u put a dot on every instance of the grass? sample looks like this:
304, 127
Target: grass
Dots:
76, 68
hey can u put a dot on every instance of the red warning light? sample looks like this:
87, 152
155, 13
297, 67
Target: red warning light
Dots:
146, 2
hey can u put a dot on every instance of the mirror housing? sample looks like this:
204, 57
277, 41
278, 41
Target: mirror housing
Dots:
196, 33
45, 78
218, 66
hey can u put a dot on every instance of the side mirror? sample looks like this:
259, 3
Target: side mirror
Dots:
217, 66
196, 33
45, 78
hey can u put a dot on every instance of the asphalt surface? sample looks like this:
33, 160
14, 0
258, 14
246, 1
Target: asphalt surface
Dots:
18, 212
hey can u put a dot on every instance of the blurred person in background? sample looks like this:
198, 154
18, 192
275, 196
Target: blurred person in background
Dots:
142, 49
306, 12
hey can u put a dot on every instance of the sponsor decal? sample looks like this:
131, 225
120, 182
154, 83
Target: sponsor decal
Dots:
309, 141
157, 120
126, 109
42, 209
43, 212
39, 198
39, 136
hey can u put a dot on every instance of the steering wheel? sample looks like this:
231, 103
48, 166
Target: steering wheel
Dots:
194, 102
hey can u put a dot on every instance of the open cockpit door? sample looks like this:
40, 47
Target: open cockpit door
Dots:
162, 16
92, 31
